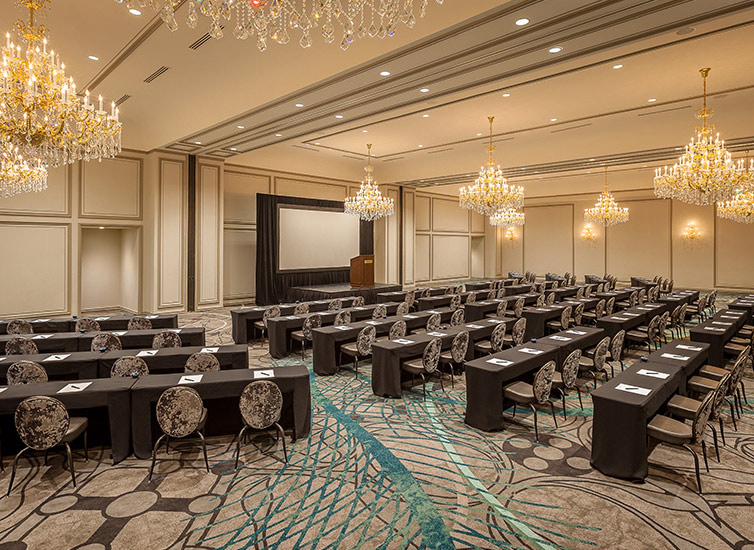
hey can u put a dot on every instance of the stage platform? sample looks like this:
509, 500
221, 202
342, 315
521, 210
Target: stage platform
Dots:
339, 290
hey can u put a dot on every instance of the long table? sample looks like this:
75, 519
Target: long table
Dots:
642, 282
679, 298
478, 310
631, 318
220, 392
624, 406
171, 360
435, 302
107, 322
744, 303
716, 332
567, 341
59, 366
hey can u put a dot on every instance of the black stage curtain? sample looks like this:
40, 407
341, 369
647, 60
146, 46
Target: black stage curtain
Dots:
272, 284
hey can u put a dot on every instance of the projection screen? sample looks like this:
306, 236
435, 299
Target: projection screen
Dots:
316, 239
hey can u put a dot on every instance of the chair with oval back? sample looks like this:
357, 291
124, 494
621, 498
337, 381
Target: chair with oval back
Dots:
610, 306
455, 302
550, 298
449, 290
201, 362
580, 293
402, 309
646, 335
26, 372
359, 301
335, 305
410, 298
379, 312
19, 326
433, 323
457, 354
87, 325
361, 348
180, 413
501, 309
458, 318
425, 366
662, 327
518, 308
494, 344
567, 379
42, 423
270, 312
301, 309
531, 395
471, 297
397, 330
129, 367
18, 345
642, 296
166, 339
305, 335
139, 323
516, 337
578, 313
592, 316
426, 293
261, 405
106, 342
540, 300
560, 324
491, 295
597, 364
342, 318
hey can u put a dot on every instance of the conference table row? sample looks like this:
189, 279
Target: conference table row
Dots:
107, 322
744, 303
717, 331
121, 410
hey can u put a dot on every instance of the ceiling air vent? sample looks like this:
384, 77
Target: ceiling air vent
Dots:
122, 100
202, 40
159, 72
393, 159
570, 128
666, 110
439, 151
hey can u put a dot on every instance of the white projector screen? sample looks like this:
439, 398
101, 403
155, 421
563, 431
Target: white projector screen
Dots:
316, 239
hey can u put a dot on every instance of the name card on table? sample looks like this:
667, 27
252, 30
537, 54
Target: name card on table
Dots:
560, 338
101, 318
715, 329
436, 334
690, 348
579, 332
372, 322
484, 303
403, 341
190, 379
410, 317
3, 389
721, 323
674, 356
619, 318
631, 314
266, 373
209, 350
41, 336
653, 374
147, 353
633, 389
645, 308
257, 309
342, 327
496, 321
57, 357
501, 362
2, 358
474, 326
151, 316
728, 317
120, 332
292, 317
531, 351
176, 330
358, 308
40, 320
73, 388
432, 311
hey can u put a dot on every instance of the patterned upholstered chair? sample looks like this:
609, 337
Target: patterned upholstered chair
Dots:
19, 326
410, 298
662, 327
26, 372
335, 305
305, 334
450, 290
129, 367
457, 354
531, 395
518, 308
180, 413
550, 298
600, 288
139, 323
166, 339
494, 344
642, 296
580, 293
403, 309
491, 295
500, 311
87, 325
201, 362
379, 312
433, 323
43, 423
18, 345
587, 291
597, 364
471, 297
425, 366
561, 324
516, 337
610, 305
361, 348
646, 334
261, 406
592, 316
106, 342
458, 318
342, 318
397, 330
426, 293
577, 315
455, 302
270, 312
631, 302
301, 309
614, 352
359, 301
568, 378
664, 429
540, 300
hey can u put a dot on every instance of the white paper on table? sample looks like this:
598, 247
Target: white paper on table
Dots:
721, 323
293, 317
72, 388
190, 379
2, 358
484, 303
120, 332
257, 309
372, 322
715, 329
176, 330
728, 317
57, 357
359, 308
560, 338
436, 334
579, 332
620, 318
3, 389
342, 327
403, 341
209, 350
633, 389
410, 317
474, 326
496, 321
531, 351
631, 314
501, 362
690, 348
645, 308
432, 311
101, 318
151, 316
266, 373
653, 374
147, 353
40, 320
41, 336
541, 309
674, 356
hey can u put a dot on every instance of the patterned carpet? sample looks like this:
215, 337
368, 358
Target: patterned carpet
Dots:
387, 474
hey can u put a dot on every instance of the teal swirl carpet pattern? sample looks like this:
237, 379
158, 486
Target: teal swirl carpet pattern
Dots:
386, 474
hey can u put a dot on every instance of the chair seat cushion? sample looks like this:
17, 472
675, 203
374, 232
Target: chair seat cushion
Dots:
557, 380
585, 363
446, 357
553, 324
202, 420
415, 366
700, 384
349, 348
298, 335
419, 331
259, 325
714, 373
740, 341
76, 427
636, 335
682, 406
520, 392
733, 349
669, 430
485, 346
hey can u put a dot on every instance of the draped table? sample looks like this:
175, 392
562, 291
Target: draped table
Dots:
537, 317
110, 322
478, 310
629, 319
643, 282
716, 332
744, 303
512, 290
679, 298
59, 366
434, 302
168, 360
570, 340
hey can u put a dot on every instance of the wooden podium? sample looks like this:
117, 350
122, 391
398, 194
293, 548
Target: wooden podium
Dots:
362, 271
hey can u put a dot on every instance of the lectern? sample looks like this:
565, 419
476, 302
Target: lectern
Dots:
362, 271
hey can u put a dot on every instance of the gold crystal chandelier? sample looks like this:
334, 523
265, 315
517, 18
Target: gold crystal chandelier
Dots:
741, 207
272, 19
705, 173
606, 211
369, 204
507, 217
43, 122
18, 175
491, 192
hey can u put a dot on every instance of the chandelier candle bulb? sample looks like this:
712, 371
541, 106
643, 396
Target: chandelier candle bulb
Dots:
606, 211
369, 204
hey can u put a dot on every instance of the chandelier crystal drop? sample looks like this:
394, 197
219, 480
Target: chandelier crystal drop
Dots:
273, 20
369, 204
507, 217
741, 207
491, 192
41, 115
606, 211
18, 175
705, 173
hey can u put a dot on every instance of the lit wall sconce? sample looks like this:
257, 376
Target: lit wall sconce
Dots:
510, 234
587, 234
691, 232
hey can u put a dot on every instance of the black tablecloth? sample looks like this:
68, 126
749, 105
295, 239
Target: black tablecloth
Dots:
619, 295
220, 392
49, 342
59, 366
512, 290
642, 282
171, 360
479, 285
572, 339
485, 381
594, 279
746, 304
111, 322
110, 393
679, 298
629, 319
478, 310
717, 331
142, 339
536, 317
688, 355
436, 302
329, 292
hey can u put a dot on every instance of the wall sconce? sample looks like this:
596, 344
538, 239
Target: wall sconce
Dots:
691, 232
510, 234
587, 234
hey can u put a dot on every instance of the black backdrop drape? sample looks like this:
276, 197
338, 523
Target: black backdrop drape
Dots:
272, 284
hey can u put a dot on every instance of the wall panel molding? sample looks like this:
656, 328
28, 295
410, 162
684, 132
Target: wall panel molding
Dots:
209, 234
171, 249
55, 201
112, 188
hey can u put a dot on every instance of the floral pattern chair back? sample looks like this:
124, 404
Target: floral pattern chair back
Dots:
397, 330
457, 318
402, 309
610, 306
571, 369
702, 416
359, 301
565, 317
18, 345
501, 308
166, 339
269, 313
471, 298
201, 362
491, 295
518, 332
179, 411
642, 295
433, 323
342, 318
616, 346
497, 338
632, 299
379, 312
580, 293
410, 298
518, 309
301, 309
87, 325
26, 372
543, 382
600, 353
455, 302
426, 293
310, 323
365, 339
139, 323
460, 346
335, 305
106, 342
129, 367
578, 313
431, 355
599, 309
261, 404
540, 300
550, 299
20, 326
41, 422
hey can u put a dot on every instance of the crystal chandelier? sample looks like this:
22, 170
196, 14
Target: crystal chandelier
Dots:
42, 120
741, 207
491, 192
369, 204
606, 211
507, 217
705, 173
17, 175
272, 19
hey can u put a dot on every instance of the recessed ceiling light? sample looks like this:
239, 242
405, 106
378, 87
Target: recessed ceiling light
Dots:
506, 94
198, 142
425, 116
299, 105
365, 131
240, 127
101, 227
420, 145
591, 160
652, 100
278, 135
385, 73
233, 149
94, 58
618, 66
556, 49
134, 11
478, 134
338, 116
553, 119
523, 21
424, 90
316, 143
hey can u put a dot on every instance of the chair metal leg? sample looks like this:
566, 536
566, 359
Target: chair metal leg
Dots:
552, 410
167, 444
714, 435
86, 446
204, 448
578, 391
13, 469
562, 398
722, 428
70, 462
238, 445
536, 429
154, 454
732, 414
442, 386
45, 459
704, 452
424, 387
696, 467
282, 438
